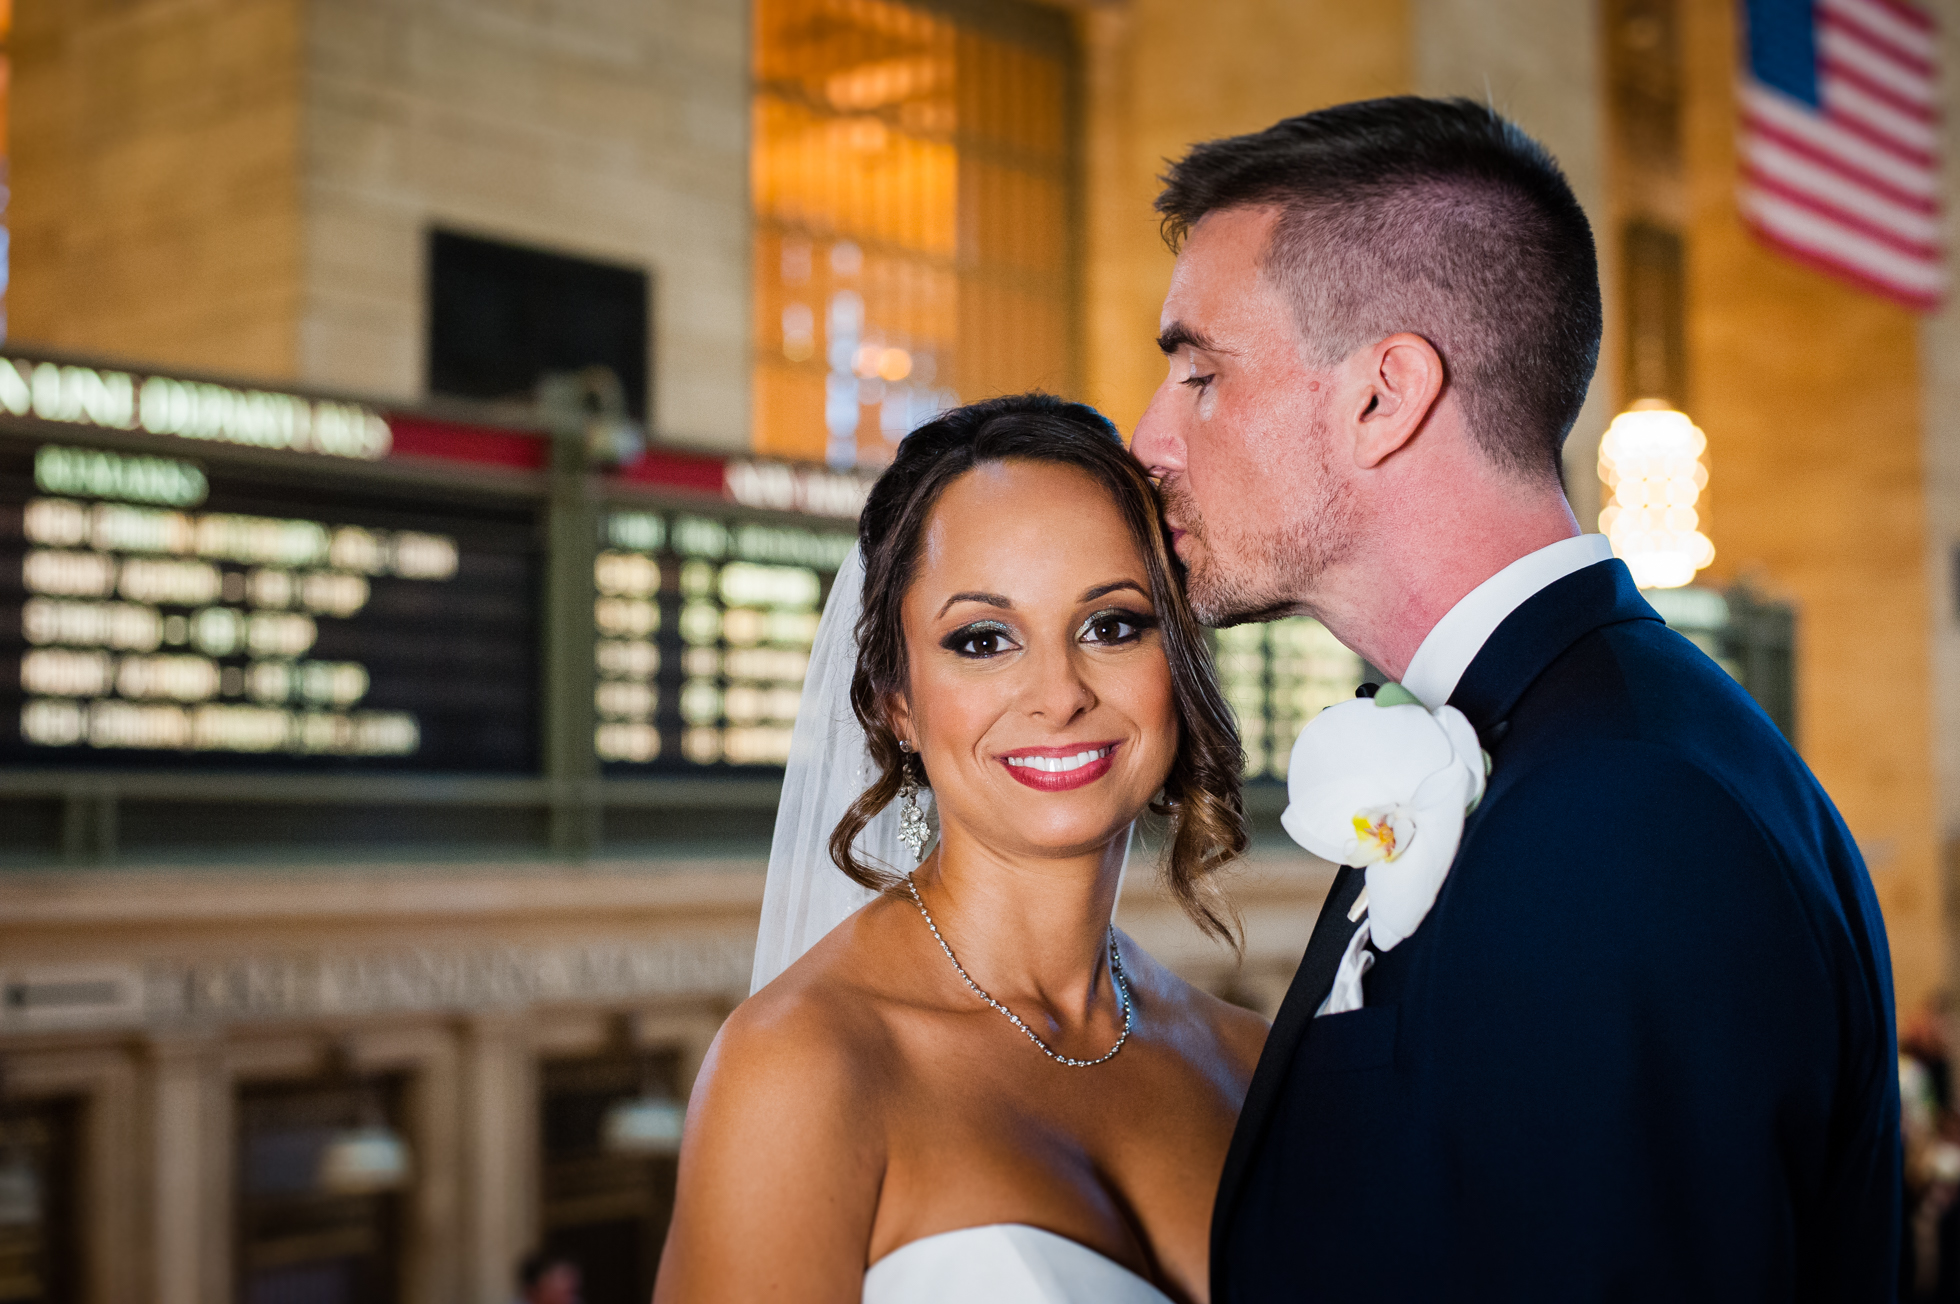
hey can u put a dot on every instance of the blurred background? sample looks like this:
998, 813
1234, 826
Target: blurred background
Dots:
429, 429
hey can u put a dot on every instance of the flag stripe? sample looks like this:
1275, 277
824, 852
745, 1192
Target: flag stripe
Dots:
1918, 59
1850, 54
1848, 250
1919, 300
1844, 101
1768, 148
1924, 249
1883, 23
1911, 15
1798, 173
1887, 96
1771, 113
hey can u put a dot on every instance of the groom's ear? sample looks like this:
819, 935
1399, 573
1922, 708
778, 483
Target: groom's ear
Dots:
1400, 381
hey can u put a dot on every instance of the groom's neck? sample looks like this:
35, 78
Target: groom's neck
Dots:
1439, 534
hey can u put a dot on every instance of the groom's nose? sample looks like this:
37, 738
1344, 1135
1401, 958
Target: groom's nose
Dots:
1155, 441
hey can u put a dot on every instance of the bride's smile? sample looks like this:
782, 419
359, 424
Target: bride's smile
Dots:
1057, 769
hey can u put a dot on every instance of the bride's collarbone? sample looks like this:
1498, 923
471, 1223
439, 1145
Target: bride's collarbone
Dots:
1138, 1128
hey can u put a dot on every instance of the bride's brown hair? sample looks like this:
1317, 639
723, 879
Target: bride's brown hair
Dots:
1200, 797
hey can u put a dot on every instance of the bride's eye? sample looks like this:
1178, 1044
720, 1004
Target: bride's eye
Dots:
1115, 627
980, 640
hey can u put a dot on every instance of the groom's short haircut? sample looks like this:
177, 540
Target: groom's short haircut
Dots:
1434, 216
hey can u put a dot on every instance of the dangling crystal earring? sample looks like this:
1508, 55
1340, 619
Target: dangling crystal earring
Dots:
911, 820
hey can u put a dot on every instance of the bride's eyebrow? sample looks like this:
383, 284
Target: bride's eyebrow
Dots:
991, 599
1103, 590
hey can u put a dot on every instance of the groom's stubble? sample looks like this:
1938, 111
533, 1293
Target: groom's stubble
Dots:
1266, 565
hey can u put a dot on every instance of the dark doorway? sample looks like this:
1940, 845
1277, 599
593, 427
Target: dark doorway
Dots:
301, 1240
502, 315
40, 1242
604, 1210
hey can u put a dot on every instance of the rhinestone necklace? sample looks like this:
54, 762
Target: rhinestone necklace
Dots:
1115, 974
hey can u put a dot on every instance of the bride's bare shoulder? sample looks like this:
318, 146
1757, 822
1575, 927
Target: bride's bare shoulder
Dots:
821, 1023
790, 1100
1207, 1026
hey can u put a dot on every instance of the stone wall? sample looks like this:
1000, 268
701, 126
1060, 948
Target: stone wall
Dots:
1939, 408
155, 181
1160, 80
612, 129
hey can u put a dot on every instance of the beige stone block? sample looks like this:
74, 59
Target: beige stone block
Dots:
155, 179
367, 348
1159, 82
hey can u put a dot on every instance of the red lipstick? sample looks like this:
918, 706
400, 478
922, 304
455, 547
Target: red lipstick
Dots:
1059, 769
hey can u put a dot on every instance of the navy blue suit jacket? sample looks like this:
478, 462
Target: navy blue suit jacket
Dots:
1642, 1047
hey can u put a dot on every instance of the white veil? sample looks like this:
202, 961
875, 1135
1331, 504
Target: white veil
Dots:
829, 768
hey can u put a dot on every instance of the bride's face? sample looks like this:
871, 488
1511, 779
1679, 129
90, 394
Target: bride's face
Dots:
1038, 690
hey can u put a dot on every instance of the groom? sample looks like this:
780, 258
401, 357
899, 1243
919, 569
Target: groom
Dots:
1641, 1046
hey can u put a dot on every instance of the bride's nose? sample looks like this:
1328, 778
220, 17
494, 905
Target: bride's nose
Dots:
1057, 692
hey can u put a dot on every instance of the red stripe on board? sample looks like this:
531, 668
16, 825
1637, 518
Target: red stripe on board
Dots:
1878, 40
1884, 94
1841, 217
452, 441
670, 469
1857, 276
1850, 172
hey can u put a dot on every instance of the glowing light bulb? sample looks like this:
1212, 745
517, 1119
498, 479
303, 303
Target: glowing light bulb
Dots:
1650, 463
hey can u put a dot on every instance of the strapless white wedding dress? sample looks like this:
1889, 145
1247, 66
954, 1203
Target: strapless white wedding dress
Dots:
1003, 1263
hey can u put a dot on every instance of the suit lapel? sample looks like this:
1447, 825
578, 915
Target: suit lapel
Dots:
1311, 983
1532, 637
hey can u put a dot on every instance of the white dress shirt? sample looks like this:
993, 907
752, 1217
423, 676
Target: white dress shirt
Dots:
1445, 653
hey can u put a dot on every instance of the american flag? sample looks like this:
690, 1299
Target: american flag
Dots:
1840, 140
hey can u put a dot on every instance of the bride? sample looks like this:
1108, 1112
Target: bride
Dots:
973, 1087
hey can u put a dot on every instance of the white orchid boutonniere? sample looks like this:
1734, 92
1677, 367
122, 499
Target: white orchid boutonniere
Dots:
1383, 784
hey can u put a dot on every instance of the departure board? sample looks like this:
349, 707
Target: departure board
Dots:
163, 611
1278, 676
704, 627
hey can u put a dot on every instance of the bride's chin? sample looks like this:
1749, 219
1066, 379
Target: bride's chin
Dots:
1064, 839
1050, 825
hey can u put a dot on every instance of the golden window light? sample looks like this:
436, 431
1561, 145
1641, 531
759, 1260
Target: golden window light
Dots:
911, 180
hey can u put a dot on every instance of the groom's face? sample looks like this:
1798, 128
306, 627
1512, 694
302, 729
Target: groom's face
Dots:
1237, 436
